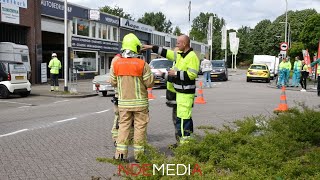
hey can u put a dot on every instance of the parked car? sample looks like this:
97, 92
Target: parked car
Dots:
219, 70
258, 72
101, 83
159, 66
14, 79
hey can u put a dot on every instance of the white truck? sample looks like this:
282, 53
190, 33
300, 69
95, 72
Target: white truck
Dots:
271, 61
11, 52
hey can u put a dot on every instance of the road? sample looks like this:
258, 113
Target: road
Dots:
60, 138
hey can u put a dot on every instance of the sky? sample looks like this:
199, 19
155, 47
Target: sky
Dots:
236, 13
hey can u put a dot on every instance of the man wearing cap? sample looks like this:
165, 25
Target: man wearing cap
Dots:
55, 66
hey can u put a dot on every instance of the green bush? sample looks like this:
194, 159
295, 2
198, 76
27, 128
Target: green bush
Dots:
286, 146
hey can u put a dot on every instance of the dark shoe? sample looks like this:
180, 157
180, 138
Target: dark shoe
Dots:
121, 158
136, 161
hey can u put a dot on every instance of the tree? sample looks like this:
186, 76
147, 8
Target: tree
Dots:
117, 11
177, 31
310, 33
296, 49
158, 20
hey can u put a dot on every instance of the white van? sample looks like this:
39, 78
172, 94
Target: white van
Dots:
271, 61
11, 52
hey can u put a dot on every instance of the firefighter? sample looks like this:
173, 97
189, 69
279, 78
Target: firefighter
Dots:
185, 72
318, 72
114, 100
131, 76
296, 72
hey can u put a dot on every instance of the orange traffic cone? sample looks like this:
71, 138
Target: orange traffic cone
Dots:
200, 99
283, 106
150, 95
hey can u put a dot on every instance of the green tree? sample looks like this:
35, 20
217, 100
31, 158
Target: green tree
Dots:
296, 49
158, 20
259, 36
310, 33
177, 31
117, 11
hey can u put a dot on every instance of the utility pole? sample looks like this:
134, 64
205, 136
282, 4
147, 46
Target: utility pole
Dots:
65, 46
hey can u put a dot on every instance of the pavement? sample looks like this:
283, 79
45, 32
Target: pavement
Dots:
83, 88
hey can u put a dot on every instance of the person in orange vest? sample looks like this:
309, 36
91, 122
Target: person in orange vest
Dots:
131, 76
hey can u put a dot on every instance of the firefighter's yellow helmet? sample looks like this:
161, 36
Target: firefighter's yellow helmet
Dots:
131, 42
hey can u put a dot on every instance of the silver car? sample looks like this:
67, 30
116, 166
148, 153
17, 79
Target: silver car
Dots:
101, 83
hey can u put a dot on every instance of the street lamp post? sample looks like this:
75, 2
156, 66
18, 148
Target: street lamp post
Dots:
285, 32
288, 35
65, 46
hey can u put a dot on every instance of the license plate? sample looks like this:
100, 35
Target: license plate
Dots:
214, 75
19, 78
156, 81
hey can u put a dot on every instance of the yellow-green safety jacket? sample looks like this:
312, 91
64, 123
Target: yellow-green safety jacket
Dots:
187, 67
297, 65
54, 65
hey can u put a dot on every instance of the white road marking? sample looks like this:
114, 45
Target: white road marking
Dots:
61, 101
151, 99
102, 111
15, 132
23, 106
162, 96
70, 119
16, 103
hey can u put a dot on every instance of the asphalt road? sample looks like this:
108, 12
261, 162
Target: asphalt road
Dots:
60, 138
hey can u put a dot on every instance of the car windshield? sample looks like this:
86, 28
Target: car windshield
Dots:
218, 64
258, 67
161, 64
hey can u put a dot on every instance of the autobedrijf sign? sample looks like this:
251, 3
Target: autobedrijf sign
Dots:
86, 43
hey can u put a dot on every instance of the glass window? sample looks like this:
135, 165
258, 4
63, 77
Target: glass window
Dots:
104, 31
85, 61
115, 33
161, 64
82, 27
93, 29
258, 67
74, 25
109, 32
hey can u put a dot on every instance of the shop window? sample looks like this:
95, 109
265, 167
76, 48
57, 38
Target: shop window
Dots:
115, 33
85, 61
93, 29
82, 27
74, 25
109, 32
104, 31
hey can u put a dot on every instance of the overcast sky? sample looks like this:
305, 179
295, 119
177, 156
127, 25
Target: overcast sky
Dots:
237, 13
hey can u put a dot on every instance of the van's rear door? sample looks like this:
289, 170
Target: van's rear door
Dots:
18, 73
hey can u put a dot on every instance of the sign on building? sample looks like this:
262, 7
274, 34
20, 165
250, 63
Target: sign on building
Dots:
10, 13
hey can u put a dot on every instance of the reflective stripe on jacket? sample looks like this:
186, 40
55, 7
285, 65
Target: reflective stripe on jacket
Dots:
54, 65
132, 77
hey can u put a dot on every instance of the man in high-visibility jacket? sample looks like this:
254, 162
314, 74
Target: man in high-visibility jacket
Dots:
296, 72
131, 76
287, 69
284, 71
318, 71
55, 66
185, 73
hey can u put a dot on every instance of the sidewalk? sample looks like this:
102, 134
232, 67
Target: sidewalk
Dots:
83, 89
311, 87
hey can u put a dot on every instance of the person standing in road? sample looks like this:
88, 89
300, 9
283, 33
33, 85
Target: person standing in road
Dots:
287, 69
55, 66
304, 76
282, 73
318, 71
206, 68
296, 72
184, 74
131, 76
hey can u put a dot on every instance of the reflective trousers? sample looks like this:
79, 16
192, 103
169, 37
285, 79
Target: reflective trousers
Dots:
184, 123
295, 78
140, 119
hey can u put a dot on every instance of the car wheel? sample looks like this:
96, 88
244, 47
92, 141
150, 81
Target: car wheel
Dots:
4, 92
25, 94
248, 80
104, 93
268, 80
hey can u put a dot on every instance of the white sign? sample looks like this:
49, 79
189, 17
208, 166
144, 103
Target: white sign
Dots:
209, 32
135, 25
44, 73
224, 37
233, 41
284, 46
94, 14
10, 13
17, 3
203, 49
237, 46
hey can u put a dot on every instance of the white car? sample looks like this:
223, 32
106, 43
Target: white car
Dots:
14, 79
101, 83
159, 66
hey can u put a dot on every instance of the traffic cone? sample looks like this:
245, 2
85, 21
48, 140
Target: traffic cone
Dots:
283, 106
150, 95
200, 99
